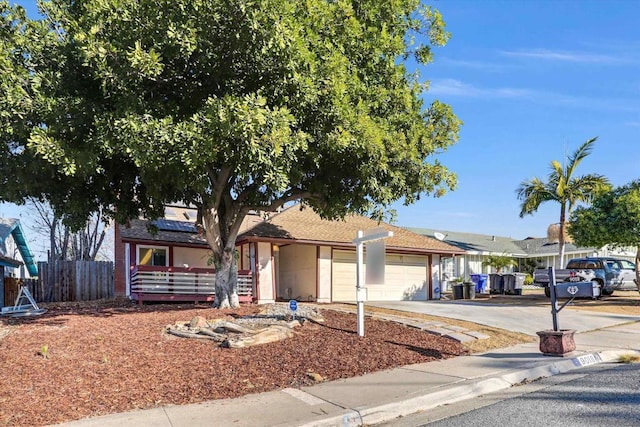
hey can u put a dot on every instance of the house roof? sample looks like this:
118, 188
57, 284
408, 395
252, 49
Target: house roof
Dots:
137, 229
304, 225
486, 244
292, 225
544, 246
481, 243
172, 231
12, 227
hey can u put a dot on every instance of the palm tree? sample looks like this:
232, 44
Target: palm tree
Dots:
499, 262
562, 187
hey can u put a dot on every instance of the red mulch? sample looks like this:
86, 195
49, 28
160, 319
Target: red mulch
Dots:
105, 358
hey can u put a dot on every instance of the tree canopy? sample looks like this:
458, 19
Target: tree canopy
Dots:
563, 187
612, 219
228, 106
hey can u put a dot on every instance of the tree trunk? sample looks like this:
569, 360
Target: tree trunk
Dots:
638, 268
226, 287
560, 263
221, 227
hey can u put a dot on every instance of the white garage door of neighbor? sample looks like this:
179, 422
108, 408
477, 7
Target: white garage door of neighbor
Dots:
405, 278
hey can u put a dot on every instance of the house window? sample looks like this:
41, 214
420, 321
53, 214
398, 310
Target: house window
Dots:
156, 256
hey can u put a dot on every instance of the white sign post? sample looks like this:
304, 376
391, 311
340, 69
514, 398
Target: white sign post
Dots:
361, 291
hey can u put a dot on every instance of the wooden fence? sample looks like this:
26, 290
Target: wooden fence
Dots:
72, 281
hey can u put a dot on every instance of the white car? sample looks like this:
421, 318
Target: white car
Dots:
623, 274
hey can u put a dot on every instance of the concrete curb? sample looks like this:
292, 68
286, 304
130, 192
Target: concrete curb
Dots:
448, 395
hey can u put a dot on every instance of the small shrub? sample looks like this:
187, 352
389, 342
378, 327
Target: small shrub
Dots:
629, 358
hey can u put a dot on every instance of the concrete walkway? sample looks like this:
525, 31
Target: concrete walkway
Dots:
383, 396
516, 318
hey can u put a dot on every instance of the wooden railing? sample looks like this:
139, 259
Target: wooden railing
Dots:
152, 283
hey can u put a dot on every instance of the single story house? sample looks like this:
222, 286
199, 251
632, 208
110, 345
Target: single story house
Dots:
293, 254
528, 253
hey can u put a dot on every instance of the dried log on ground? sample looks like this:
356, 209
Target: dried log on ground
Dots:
186, 334
233, 335
267, 335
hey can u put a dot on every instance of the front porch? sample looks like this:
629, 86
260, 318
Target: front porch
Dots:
156, 283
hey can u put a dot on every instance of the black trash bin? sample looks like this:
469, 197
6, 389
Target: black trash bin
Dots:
469, 290
457, 291
509, 283
496, 283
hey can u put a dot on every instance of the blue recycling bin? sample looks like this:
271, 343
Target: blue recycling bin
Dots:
480, 281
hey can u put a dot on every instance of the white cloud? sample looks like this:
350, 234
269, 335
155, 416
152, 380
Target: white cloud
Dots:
565, 56
476, 65
457, 88
452, 87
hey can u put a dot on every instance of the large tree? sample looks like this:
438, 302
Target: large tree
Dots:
229, 106
612, 219
563, 187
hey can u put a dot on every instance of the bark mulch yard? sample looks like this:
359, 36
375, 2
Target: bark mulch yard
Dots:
91, 359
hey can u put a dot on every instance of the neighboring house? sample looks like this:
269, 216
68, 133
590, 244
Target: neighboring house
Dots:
477, 247
16, 258
546, 251
291, 254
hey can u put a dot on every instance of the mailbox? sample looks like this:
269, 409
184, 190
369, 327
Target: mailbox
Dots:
578, 290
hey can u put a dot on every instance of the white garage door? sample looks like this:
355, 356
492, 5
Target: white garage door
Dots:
405, 278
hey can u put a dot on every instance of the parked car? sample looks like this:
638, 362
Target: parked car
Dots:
623, 274
609, 273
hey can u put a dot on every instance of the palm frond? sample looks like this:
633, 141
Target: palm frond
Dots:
584, 188
533, 193
577, 156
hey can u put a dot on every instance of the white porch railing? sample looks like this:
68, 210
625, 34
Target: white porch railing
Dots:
182, 284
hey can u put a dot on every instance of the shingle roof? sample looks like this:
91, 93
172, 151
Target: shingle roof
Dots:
137, 230
305, 225
482, 243
470, 242
297, 225
544, 246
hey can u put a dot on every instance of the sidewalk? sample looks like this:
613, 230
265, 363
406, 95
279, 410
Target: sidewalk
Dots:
385, 395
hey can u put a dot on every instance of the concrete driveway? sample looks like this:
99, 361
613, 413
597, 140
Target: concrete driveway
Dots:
517, 318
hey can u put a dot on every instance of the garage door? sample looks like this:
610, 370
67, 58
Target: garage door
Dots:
405, 278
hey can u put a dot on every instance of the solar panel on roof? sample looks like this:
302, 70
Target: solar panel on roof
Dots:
180, 226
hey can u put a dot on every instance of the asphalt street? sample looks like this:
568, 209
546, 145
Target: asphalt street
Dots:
606, 395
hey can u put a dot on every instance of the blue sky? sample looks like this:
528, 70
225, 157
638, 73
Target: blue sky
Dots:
531, 80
